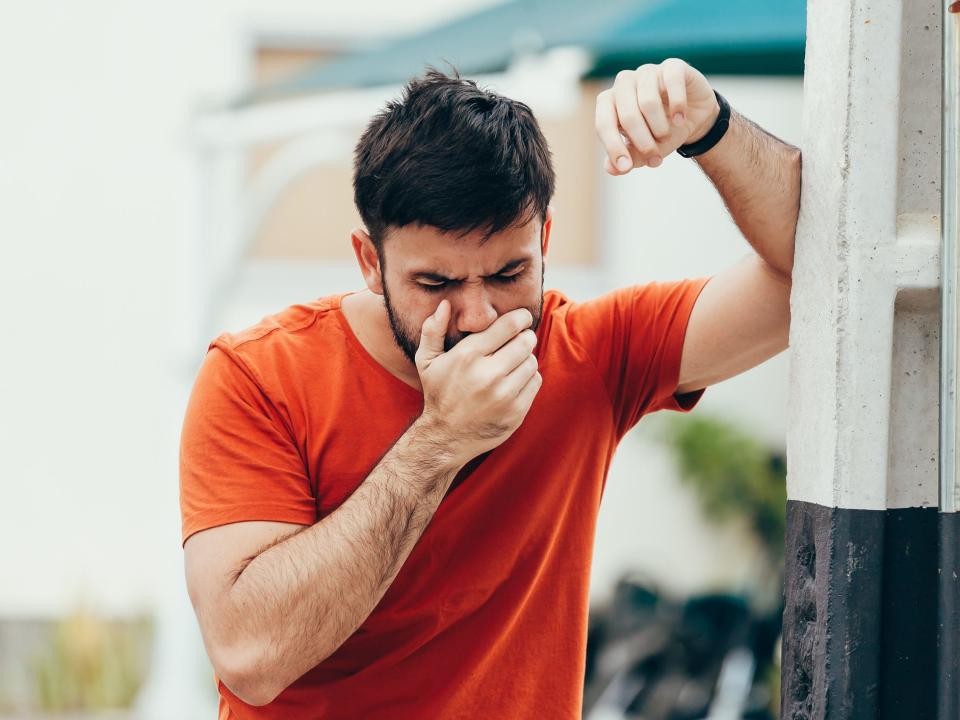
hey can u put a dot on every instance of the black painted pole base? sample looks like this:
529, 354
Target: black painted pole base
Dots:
860, 618
948, 690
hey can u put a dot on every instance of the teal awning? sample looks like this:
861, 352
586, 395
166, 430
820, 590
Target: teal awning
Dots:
742, 37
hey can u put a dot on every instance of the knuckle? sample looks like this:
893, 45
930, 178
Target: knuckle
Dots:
661, 132
646, 147
490, 377
523, 320
650, 106
631, 117
499, 394
475, 376
623, 75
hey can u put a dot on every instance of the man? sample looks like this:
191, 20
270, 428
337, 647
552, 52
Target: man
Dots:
389, 497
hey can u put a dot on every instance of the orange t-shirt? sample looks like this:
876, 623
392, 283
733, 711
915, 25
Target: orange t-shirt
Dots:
487, 618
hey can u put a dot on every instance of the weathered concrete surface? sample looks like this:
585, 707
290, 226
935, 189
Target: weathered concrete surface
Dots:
861, 565
868, 231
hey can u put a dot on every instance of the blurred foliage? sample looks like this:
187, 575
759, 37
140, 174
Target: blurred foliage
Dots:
774, 678
733, 475
90, 663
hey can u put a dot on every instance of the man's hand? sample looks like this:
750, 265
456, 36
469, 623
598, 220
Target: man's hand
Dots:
477, 394
657, 108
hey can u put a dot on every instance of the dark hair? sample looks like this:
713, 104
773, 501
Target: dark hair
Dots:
452, 156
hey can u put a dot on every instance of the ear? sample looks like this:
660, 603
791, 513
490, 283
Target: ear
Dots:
547, 225
368, 260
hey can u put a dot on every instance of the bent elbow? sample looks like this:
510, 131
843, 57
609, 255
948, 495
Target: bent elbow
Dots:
251, 691
247, 677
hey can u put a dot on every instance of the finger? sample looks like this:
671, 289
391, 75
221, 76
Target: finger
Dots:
638, 162
529, 392
673, 73
609, 132
500, 331
518, 378
651, 103
433, 332
514, 352
631, 119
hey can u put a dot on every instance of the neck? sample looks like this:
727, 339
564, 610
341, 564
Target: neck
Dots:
367, 315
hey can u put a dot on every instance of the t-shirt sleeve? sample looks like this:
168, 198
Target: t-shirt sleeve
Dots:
238, 460
634, 336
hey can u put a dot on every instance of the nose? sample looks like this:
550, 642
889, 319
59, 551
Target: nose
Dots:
474, 310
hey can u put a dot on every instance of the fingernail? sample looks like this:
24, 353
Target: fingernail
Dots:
678, 119
624, 163
654, 162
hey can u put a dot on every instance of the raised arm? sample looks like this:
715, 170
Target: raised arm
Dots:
743, 314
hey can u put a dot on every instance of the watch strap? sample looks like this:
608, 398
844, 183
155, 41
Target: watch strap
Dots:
713, 135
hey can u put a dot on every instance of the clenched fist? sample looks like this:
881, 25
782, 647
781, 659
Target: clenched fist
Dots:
651, 111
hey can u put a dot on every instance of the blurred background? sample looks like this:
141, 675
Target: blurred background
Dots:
169, 171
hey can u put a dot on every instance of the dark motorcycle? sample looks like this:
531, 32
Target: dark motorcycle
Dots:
704, 658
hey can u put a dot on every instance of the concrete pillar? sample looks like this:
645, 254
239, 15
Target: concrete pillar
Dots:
860, 624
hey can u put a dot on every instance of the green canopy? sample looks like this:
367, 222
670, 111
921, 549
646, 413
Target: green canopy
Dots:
742, 37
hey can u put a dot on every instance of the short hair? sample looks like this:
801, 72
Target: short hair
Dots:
453, 156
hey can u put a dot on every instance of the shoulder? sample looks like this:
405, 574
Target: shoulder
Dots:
277, 327
554, 302
281, 342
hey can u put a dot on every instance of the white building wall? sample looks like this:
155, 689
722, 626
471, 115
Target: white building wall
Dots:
95, 201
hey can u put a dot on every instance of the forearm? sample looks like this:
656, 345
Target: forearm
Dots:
296, 602
758, 177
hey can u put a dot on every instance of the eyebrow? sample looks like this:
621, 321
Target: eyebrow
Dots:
437, 277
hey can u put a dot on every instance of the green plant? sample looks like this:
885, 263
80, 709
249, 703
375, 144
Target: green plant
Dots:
91, 663
733, 474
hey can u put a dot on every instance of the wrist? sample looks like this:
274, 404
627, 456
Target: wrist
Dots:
435, 445
705, 127
714, 134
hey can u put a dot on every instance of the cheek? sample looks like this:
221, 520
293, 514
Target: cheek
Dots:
419, 306
522, 291
410, 307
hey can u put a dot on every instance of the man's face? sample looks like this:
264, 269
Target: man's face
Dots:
422, 266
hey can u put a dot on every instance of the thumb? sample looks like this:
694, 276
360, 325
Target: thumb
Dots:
433, 333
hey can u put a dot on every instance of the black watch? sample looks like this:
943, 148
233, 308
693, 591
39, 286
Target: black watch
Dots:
713, 135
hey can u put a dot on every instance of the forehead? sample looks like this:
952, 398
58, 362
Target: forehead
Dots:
424, 249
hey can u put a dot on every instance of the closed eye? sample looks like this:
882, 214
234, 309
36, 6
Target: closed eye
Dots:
504, 279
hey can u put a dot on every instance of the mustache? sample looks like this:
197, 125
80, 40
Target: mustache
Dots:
449, 342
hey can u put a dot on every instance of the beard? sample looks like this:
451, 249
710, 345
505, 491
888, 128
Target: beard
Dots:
408, 338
